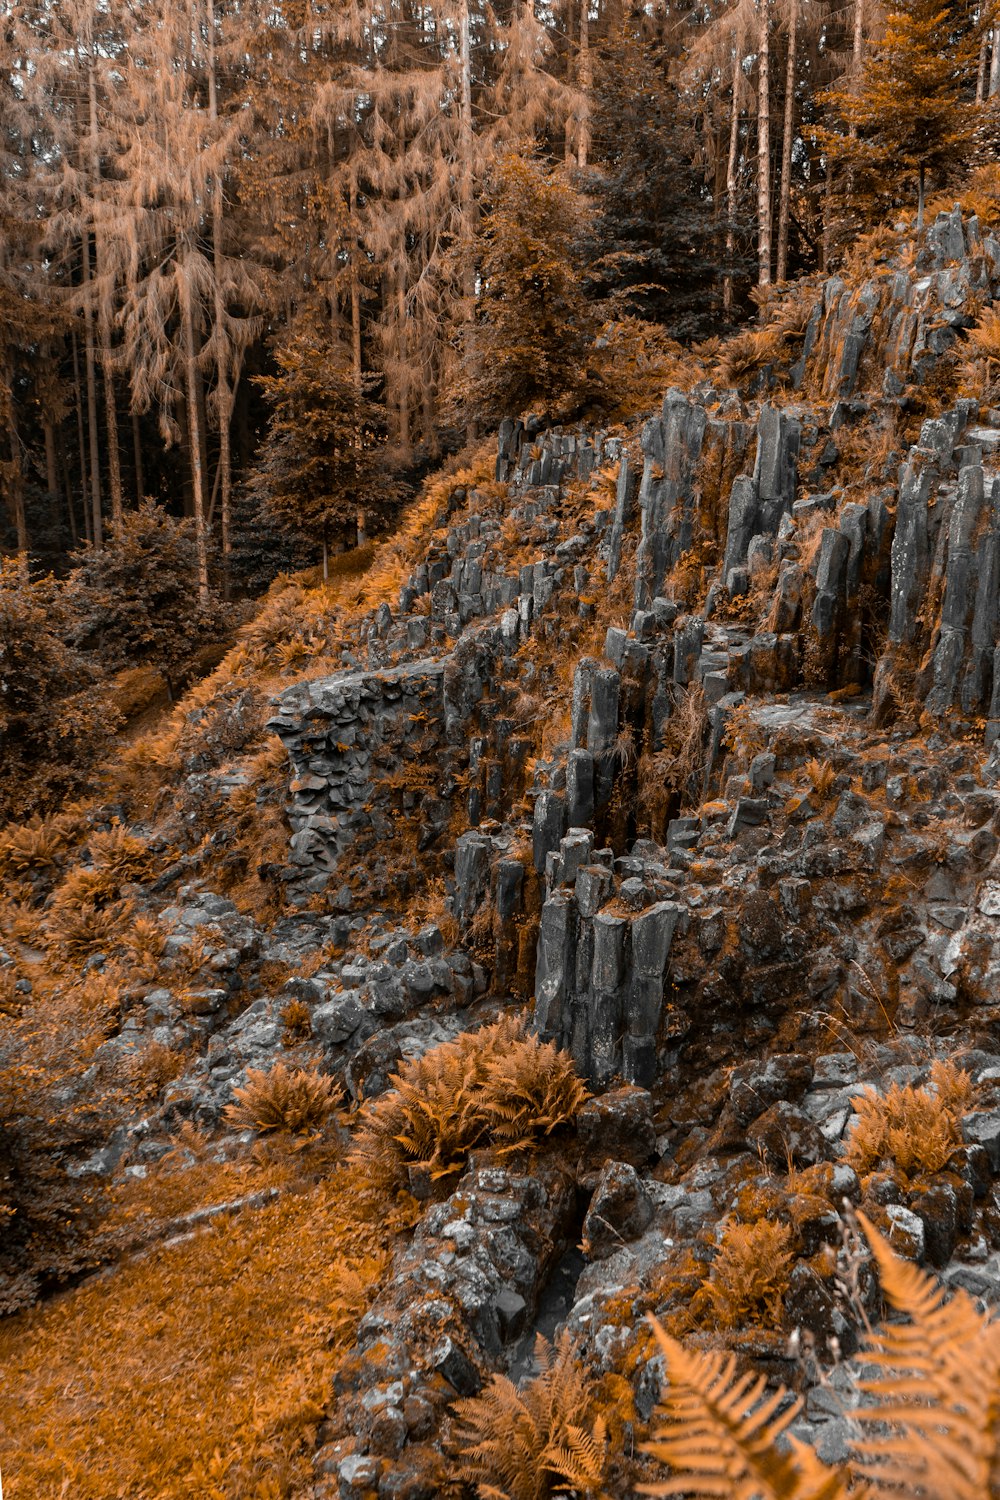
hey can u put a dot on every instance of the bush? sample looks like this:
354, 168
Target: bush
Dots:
498, 1087
136, 599
56, 717
298, 1101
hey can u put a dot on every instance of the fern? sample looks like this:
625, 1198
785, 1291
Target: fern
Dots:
912, 1127
297, 1100
940, 1395
497, 1087
547, 1438
721, 1434
937, 1419
120, 855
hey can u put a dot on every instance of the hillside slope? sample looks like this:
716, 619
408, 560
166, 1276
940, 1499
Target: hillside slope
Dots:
678, 738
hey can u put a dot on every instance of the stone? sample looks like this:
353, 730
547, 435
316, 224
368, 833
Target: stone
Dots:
783, 1134
982, 1128
619, 1123
620, 1210
757, 1085
937, 1209
905, 1232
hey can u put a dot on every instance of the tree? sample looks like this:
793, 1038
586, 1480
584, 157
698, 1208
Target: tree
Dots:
531, 330
136, 602
322, 461
912, 111
656, 247
55, 718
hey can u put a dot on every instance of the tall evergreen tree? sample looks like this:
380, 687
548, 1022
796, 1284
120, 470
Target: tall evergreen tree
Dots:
322, 461
657, 246
912, 113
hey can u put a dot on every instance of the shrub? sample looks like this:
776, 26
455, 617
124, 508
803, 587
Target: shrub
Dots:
120, 855
749, 1275
547, 1438
295, 1100
136, 598
913, 1128
499, 1086
934, 1422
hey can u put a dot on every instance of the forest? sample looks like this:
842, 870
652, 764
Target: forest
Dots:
230, 228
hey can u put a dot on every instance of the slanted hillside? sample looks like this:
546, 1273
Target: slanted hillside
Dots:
677, 741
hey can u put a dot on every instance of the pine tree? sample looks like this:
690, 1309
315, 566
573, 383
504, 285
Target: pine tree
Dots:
136, 601
912, 113
322, 460
532, 328
657, 243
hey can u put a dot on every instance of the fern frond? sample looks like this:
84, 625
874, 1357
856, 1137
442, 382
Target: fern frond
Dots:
940, 1395
720, 1434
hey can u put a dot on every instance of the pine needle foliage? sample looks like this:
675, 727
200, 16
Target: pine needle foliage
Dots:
297, 1100
547, 1437
498, 1087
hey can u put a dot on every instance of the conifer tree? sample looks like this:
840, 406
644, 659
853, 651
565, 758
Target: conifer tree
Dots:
322, 460
528, 340
656, 247
912, 112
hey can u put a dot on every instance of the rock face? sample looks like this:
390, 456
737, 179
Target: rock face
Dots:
341, 733
686, 742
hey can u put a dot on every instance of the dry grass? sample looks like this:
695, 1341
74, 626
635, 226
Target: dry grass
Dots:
200, 1368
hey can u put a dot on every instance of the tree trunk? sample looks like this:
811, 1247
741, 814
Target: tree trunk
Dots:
402, 395
103, 318
984, 46
74, 535
785, 201
223, 393
51, 476
584, 83
140, 482
95, 455
572, 73
194, 429
80, 437
920, 201
14, 477
355, 280
111, 423
731, 162
763, 145
995, 63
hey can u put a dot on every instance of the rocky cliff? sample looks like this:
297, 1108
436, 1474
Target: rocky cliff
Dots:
683, 737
